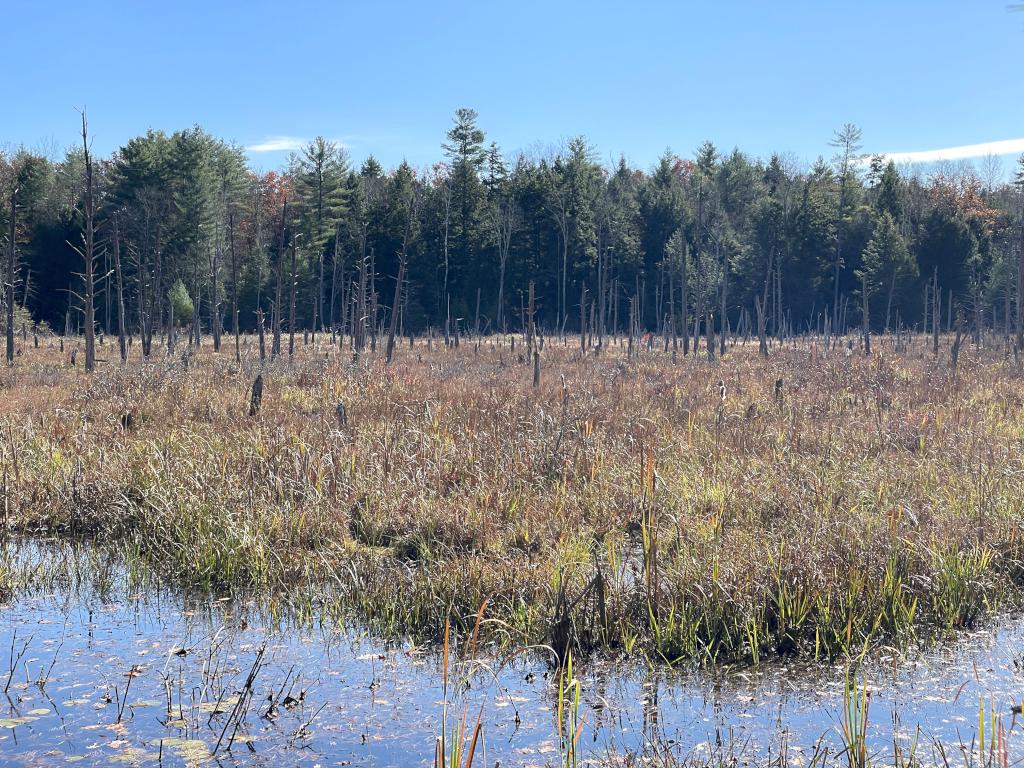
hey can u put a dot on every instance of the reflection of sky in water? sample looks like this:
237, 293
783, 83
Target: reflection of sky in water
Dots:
366, 703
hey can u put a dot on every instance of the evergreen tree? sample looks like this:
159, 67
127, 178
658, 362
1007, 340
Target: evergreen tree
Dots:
320, 193
887, 263
465, 151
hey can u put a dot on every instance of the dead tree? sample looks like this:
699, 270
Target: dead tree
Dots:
709, 331
866, 307
583, 318
256, 397
393, 322
122, 338
262, 335
504, 219
359, 326
11, 273
762, 306
403, 257
334, 277
530, 328
234, 287
723, 305
684, 290
1019, 346
216, 320
291, 300
88, 252
954, 351
275, 347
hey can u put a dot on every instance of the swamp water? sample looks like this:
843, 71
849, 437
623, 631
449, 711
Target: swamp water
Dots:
108, 669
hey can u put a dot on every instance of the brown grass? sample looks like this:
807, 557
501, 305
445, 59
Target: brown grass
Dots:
621, 505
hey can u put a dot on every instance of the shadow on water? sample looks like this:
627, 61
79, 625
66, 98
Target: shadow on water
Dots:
101, 664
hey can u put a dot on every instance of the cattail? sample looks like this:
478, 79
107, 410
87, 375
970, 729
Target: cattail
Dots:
341, 414
778, 392
536, 368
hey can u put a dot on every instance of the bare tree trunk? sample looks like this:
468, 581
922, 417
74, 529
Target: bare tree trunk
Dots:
530, 330
672, 311
447, 220
359, 321
122, 341
888, 304
141, 270
318, 307
88, 253
762, 307
372, 298
583, 318
334, 278
709, 331
215, 319
601, 298
262, 335
275, 347
11, 273
393, 321
197, 323
866, 306
1020, 283
684, 290
723, 308
291, 304
562, 309
762, 336
234, 287
156, 303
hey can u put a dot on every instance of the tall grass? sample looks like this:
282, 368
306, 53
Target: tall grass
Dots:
621, 505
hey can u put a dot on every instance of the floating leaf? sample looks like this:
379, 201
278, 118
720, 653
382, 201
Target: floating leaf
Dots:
218, 707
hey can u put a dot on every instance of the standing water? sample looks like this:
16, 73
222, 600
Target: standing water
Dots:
104, 667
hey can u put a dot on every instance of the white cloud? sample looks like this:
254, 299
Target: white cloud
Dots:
965, 152
277, 144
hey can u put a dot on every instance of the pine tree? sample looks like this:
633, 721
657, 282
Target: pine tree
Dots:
465, 151
889, 197
320, 190
887, 263
847, 141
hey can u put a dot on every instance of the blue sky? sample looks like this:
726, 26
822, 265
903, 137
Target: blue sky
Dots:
635, 78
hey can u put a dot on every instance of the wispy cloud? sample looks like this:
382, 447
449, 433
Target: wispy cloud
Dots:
965, 152
277, 144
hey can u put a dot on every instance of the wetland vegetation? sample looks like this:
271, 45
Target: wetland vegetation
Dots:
631, 510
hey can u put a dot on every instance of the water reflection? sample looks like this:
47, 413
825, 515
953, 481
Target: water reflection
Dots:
107, 667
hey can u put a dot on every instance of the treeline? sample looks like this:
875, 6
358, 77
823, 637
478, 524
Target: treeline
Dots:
179, 231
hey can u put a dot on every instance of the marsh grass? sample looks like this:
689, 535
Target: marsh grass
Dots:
623, 504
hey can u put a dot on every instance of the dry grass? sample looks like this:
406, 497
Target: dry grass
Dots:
621, 505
